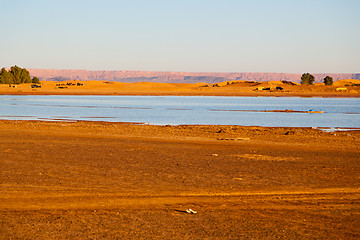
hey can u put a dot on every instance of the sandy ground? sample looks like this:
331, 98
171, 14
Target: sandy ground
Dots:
342, 88
81, 180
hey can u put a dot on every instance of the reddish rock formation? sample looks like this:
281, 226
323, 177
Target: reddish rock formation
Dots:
175, 77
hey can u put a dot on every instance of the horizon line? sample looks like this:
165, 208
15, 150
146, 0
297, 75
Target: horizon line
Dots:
169, 71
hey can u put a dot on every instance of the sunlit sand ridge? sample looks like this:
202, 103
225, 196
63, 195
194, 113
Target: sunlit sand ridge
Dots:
341, 88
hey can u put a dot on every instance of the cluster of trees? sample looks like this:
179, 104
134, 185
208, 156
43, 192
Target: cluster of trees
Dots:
16, 75
308, 79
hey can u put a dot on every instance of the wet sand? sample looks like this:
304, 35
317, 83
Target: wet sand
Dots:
66, 180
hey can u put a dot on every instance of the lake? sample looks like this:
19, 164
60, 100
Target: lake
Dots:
176, 110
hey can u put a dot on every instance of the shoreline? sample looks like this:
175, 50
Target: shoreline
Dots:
212, 132
64, 120
224, 94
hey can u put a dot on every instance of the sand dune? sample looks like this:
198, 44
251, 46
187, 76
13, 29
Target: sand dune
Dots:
342, 88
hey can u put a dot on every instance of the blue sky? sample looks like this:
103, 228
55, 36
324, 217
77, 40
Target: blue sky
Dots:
293, 36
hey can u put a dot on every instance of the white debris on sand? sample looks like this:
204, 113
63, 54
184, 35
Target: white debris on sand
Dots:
190, 211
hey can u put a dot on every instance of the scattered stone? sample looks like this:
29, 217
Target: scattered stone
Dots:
190, 211
241, 139
233, 139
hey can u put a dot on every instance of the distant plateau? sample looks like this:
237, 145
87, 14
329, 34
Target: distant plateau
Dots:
176, 77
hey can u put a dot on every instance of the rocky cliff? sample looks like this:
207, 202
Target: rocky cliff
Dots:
175, 77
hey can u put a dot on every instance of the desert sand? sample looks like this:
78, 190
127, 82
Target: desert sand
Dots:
341, 88
80, 180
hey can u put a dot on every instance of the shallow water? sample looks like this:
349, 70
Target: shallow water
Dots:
175, 110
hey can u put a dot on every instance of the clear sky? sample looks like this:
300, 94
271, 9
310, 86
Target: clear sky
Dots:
293, 36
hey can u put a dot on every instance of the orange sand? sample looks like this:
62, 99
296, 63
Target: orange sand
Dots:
97, 180
342, 88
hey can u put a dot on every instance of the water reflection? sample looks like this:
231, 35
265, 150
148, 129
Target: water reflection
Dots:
247, 111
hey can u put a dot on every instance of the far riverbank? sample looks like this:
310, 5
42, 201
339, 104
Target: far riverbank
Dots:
343, 89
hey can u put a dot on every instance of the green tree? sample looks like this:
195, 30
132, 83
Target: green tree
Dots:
6, 77
328, 80
21, 75
16, 72
35, 80
307, 79
25, 76
16, 75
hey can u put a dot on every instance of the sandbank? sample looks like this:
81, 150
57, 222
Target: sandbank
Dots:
343, 88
